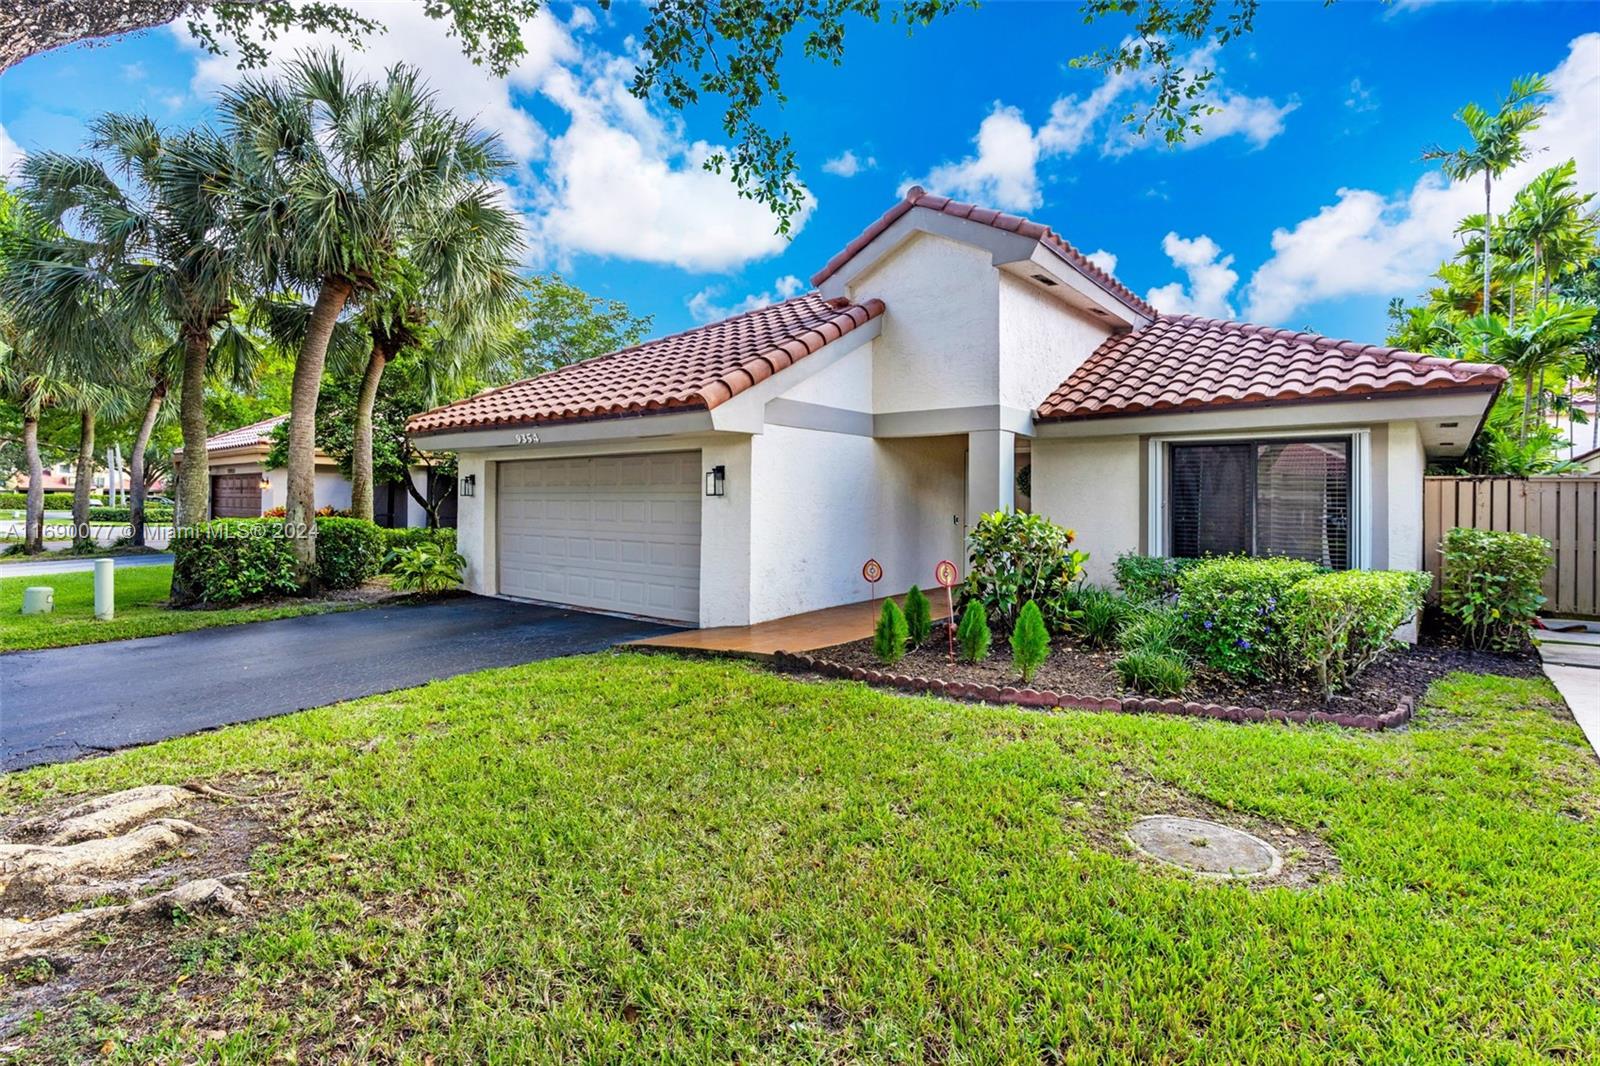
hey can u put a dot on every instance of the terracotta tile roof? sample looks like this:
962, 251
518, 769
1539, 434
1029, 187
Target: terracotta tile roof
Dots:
256, 433
696, 369
1181, 362
916, 196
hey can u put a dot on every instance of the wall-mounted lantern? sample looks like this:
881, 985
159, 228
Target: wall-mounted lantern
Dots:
469, 485
264, 485
716, 481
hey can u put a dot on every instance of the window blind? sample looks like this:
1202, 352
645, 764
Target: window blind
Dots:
1211, 499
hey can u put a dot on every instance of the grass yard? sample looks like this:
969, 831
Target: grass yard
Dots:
638, 858
141, 610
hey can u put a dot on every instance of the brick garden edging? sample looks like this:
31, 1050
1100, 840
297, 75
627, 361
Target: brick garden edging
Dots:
1031, 697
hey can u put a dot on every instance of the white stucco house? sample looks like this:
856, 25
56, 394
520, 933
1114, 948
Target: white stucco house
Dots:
244, 485
744, 470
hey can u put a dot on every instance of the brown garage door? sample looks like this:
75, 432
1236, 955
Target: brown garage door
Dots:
235, 495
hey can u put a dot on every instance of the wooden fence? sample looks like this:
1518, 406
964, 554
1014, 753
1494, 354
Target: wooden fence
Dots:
1563, 510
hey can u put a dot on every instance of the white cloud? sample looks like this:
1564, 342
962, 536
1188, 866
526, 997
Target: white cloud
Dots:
1211, 278
11, 154
848, 165
1103, 259
619, 180
1361, 98
1368, 244
704, 307
1003, 172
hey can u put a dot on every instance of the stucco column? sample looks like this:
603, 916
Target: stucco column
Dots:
991, 473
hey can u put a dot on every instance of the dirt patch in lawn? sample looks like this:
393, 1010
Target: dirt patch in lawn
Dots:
1106, 817
96, 894
1076, 669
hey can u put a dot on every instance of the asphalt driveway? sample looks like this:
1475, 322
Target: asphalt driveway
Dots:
66, 702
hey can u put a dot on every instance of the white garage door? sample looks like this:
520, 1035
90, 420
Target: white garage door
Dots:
614, 533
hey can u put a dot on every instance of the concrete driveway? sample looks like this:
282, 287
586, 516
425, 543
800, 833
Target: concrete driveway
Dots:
61, 703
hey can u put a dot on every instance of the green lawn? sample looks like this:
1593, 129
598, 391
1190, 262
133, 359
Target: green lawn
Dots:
141, 610
635, 858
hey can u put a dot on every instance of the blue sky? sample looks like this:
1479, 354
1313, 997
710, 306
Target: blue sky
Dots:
1305, 202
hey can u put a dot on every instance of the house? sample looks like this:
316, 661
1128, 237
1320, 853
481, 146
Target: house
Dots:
244, 486
745, 470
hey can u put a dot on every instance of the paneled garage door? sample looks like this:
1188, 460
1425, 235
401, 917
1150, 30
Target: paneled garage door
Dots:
235, 495
611, 533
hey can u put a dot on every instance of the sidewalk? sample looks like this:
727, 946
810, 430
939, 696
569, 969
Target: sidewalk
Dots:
1572, 663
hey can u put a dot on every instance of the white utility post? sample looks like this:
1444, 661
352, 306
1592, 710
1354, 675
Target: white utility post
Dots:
105, 589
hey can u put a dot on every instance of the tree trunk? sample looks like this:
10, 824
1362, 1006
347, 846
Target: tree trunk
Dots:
141, 441
194, 476
83, 481
1488, 256
361, 449
32, 27
430, 506
300, 511
1527, 404
33, 517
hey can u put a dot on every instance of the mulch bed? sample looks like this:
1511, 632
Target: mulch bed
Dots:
1080, 677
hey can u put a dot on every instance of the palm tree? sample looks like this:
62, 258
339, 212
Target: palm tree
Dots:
1496, 147
164, 245
1548, 216
1547, 339
339, 178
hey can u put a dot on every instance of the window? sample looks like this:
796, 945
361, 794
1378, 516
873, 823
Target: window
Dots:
1262, 497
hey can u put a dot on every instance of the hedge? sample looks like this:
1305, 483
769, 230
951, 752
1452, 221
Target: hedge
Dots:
229, 561
152, 513
1335, 625
1149, 577
53, 501
1231, 610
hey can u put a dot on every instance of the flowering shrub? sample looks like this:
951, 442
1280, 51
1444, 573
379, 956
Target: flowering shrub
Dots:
1014, 558
1231, 610
322, 512
1336, 624
1491, 584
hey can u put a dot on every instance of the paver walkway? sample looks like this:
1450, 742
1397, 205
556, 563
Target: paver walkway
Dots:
795, 633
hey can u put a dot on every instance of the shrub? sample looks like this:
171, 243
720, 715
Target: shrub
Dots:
1018, 558
1030, 641
973, 633
1154, 673
442, 540
1157, 629
322, 512
919, 616
1491, 583
1097, 614
889, 636
152, 513
349, 552
1149, 577
1231, 610
1336, 624
426, 567
233, 560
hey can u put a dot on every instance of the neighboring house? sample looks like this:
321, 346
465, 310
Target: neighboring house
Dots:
64, 476
243, 486
1589, 461
745, 470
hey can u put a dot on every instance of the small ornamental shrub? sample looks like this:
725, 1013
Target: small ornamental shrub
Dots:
973, 633
425, 567
232, 560
1491, 582
919, 617
1335, 625
1020, 558
1149, 577
1231, 610
889, 636
1098, 614
1153, 673
349, 552
1030, 641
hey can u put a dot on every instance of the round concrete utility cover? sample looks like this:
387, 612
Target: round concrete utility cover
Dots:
1204, 847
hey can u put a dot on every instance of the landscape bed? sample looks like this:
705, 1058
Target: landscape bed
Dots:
1079, 677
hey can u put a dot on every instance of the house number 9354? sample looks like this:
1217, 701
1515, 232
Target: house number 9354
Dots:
527, 438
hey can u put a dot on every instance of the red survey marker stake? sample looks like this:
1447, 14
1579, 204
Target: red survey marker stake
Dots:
948, 575
872, 570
